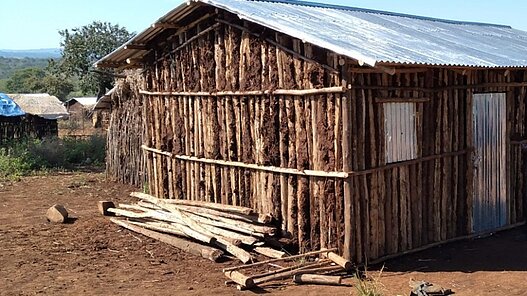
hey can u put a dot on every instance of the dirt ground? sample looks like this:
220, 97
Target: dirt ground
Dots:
91, 256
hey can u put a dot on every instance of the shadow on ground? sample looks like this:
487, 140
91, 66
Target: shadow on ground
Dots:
504, 251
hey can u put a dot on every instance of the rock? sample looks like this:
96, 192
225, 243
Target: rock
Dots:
104, 205
57, 214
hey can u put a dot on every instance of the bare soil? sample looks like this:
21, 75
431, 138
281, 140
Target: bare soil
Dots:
91, 256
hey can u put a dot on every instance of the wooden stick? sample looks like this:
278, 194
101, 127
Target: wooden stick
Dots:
182, 244
340, 261
240, 279
316, 279
309, 267
240, 224
273, 274
291, 171
409, 162
234, 216
292, 92
214, 206
212, 220
280, 259
401, 100
182, 226
160, 227
196, 230
238, 252
272, 253
346, 165
245, 239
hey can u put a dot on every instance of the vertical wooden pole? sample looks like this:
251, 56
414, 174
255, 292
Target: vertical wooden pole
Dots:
346, 165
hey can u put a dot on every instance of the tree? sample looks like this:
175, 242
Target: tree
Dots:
56, 82
83, 46
27, 80
37, 80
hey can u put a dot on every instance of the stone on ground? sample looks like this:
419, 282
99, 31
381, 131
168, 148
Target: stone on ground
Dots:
57, 214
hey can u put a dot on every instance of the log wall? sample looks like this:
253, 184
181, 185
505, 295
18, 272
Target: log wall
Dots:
125, 161
285, 131
27, 126
402, 206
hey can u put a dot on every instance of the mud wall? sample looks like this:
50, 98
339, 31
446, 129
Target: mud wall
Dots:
283, 131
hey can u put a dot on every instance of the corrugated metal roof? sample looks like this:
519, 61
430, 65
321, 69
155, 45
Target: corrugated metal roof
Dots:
42, 105
371, 36
85, 101
8, 107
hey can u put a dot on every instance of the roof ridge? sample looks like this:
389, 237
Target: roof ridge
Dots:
374, 11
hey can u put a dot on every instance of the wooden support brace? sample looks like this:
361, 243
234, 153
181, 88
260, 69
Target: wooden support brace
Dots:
256, 167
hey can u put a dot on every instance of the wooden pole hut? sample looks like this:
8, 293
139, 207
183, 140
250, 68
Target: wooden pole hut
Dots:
29, 116
83, 121
374, 132
42, 112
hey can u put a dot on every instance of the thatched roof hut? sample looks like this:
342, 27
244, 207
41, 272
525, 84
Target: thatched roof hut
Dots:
39, 119
41, 105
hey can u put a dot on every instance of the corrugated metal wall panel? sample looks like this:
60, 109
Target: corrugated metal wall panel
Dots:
400, 131
490, 180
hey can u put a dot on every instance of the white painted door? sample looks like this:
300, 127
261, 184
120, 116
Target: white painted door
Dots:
490, 180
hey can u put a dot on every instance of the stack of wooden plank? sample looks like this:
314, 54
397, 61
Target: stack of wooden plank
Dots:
202, 228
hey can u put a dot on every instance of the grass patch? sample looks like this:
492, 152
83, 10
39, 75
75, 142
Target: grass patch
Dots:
369, 285
21, 158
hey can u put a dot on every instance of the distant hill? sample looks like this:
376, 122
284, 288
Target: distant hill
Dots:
45, 53
8, 66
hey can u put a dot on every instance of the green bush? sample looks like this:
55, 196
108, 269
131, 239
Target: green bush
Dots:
24, 156
12, 166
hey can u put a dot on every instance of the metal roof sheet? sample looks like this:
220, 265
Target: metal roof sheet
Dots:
371, 36
85, 101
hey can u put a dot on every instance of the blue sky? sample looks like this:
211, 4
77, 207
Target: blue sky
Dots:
31, 24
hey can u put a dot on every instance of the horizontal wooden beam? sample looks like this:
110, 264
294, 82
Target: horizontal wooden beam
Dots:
285, 92
135, 47
409, 162
133, 61
387, 70
109, 65
165, 26
401, 100
441, 88
518, 142
278, 170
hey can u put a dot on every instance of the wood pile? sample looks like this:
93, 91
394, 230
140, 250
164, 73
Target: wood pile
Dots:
205, 229
213, 230
323, 267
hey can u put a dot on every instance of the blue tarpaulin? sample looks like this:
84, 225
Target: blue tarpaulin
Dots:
8, 107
